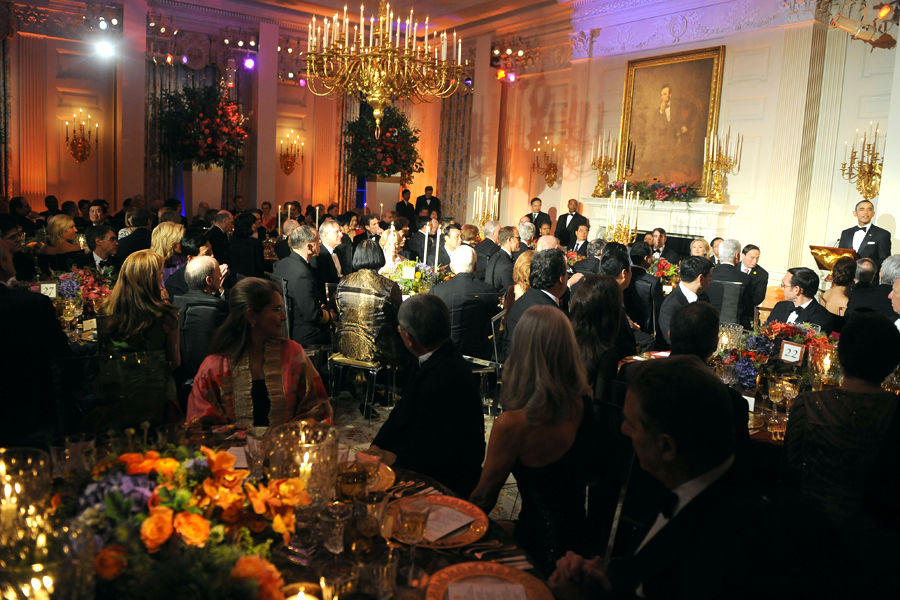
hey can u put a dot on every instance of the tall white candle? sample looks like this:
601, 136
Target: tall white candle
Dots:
437, 247
289, 212
279, 220
425, 250
317, 217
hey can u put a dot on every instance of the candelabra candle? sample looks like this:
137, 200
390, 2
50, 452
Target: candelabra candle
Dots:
721, 159
603, 161
79, 143
292, 150
865, 165
545, 162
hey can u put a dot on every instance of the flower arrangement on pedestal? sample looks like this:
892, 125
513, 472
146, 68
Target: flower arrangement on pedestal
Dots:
415, 278
182, 519
393, 152
656, 191
203, 126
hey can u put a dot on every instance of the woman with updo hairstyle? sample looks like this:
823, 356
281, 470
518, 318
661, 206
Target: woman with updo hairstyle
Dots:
139, 347
835, 298
254, 376
166, 242
544, 437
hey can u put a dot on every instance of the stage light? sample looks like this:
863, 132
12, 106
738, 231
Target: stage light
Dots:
249, 63
467, 81
240, 43
162, 29
279, 49
105, 49
114, 22
511, 77
501, 73
290, 50
169, 59
226, 41
184, 59
290, 74
103, 25
884, 10
496, 50
302, 82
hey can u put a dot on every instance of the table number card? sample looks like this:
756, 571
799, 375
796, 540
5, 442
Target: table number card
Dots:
89, 324
791, 352
408, 273
48, 289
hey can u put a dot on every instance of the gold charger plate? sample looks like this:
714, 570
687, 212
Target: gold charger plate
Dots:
383, 479
535, 589
473, 533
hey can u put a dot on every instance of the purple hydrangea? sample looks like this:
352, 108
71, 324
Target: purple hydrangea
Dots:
760, 344
746, 373
196, 468
68, 288
138, 488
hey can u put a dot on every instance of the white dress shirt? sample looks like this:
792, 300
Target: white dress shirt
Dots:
691, 296
859, 236
792, 318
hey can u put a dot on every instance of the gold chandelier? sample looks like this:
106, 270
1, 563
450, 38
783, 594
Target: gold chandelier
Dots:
381, 62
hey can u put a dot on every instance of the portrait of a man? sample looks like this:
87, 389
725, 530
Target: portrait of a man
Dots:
670, 104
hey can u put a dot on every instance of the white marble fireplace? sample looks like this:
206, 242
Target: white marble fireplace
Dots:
682, 219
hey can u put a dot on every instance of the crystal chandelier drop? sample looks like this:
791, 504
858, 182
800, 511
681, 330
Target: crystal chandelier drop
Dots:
380, 61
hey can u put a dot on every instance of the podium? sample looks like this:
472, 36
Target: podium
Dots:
826, 256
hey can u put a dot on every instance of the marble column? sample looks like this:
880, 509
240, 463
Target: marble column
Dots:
265, 111
130, 96
32, 119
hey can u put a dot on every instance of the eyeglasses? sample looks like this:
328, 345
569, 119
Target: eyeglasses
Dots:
787, 285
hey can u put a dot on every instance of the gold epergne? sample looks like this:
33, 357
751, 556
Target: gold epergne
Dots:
485, 204
622, 229
721, 160
603, 160
864, 166
546, 161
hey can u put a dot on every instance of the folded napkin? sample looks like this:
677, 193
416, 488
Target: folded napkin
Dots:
443, 520
486, 590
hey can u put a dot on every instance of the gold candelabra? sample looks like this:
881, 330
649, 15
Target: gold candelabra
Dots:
603, 160
864, 165
79, 144
381, 62
721, 160
622, 228
291, 151
485, 204
546, 161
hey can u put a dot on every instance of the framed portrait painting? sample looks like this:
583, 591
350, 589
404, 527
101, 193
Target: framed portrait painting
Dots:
671, 104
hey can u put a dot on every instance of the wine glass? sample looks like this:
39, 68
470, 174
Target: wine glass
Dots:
413, 518
776, 393
791, 387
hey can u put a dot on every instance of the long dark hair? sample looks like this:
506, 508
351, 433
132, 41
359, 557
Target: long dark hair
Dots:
232, 338
596, 312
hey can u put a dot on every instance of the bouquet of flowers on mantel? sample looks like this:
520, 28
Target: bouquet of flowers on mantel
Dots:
656, 191
415, 278
394, 151
752, 355
181, 520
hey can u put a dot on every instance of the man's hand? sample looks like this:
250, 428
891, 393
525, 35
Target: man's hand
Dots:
574, 568
575, 279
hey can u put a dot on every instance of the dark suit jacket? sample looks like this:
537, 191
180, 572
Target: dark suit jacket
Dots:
282, 249
815, 314
176, 285
485, 249
361, 237
729, 272
670, 306
245, 257
423, 202
531, 297
542, 218
472, 303
416, 245
199, 315
218, 239
582, 250
499, 271
588, 266
643, 299
406, 210
759, 281
566, 235
139, 239
437, 427
325, 268
671, 255
875, 245
305, 295
871, 298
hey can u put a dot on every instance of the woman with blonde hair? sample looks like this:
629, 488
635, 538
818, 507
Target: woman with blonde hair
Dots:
391, 242
61, 250
521, 273
139, 347
700, 247
166, 242
543, 437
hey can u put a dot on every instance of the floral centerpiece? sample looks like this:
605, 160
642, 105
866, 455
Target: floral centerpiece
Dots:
656, 191
667, 272
572, 257
414, 278
753, 355
204, 126
86, 284
392, 152
181, 520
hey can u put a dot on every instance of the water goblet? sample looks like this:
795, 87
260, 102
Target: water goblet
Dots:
334, 521
413, 519
370, 512
351, 480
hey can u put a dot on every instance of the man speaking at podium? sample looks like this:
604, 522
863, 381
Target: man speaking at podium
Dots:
868, 240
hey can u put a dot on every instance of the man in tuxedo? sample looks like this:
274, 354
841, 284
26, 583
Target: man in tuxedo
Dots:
51, 202
695, 277
330, 265
876, 298
487, 247
591, 264
472, 304
437, 427
98, 212
405, 208
428, 201
308, 314
193, 244
644, 295
728, 270
537, 217
526, 237
615, 263
867, 239
200, 312
499, 271
372, 229
759, 277
103, 243
417, 241
800, 286
451, 240
579, 245
548, 280
139, 239
567, 225
659, 247
223, 225
714, 245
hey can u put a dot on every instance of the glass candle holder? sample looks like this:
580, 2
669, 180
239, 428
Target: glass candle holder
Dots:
307, 450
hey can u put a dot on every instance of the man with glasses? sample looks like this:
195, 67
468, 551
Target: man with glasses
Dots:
103, 243
499, 271
800, 285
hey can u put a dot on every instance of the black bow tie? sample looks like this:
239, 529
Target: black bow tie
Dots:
858, 228
668, 502
103, 263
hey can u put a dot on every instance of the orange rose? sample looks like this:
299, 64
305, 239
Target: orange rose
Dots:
110, 562
130, 457
218, 462
192, 528
265, 574
157, 528
166, 467
291, 492
232, 478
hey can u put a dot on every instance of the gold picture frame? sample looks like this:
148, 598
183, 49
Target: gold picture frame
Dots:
663, 130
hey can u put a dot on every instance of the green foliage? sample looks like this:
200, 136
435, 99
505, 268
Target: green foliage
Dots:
394, 151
